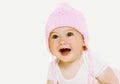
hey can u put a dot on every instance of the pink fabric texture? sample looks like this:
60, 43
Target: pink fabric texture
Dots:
67, 16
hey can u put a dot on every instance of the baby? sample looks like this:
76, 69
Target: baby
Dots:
67, 40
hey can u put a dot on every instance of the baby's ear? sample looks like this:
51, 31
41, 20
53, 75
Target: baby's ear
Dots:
84, 46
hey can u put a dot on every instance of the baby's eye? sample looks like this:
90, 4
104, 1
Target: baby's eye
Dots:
54, 36
69, 34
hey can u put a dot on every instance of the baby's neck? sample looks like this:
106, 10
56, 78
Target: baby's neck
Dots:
67, 65
70, 69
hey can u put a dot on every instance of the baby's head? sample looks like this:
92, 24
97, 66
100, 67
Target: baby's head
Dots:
65, 29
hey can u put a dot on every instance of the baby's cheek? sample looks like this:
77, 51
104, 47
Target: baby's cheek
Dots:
73, 41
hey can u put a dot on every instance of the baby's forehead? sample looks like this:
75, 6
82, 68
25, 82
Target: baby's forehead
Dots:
64, 28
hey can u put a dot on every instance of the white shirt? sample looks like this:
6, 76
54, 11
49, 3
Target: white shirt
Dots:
82, 75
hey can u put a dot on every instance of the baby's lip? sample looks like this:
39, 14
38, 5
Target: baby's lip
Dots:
64, 51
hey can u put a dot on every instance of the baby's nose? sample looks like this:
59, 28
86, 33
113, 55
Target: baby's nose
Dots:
62, 41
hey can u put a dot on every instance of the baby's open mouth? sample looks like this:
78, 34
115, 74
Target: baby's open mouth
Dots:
64, 51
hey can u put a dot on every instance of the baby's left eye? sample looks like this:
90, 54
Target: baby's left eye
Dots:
69, 34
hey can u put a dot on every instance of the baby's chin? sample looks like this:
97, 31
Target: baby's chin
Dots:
65, 59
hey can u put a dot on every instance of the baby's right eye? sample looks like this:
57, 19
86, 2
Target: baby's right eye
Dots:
54, 36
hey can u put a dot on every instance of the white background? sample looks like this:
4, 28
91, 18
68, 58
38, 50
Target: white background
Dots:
23, 55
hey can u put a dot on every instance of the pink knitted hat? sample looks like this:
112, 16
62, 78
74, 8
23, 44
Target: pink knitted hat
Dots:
67, 16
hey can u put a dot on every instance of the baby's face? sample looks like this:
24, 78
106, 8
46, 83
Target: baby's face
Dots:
66, 43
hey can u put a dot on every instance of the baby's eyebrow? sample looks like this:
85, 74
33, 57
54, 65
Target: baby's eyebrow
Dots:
53, 33
72, 29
